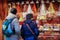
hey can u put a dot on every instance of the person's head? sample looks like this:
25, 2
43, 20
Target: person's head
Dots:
13, 11
29, 16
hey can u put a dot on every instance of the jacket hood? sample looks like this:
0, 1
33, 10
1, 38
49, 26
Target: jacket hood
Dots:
28, 21
10, 16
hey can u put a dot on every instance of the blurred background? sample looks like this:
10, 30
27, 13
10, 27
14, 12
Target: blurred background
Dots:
46, 13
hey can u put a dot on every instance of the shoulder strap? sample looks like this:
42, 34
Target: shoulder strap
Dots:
11, 24
10, 21
30, 30
13, 19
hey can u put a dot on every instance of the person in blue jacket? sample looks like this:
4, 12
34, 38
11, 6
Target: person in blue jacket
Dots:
25, 32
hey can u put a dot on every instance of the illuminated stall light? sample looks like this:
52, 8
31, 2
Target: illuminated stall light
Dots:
37, 4
22, 3
29, 10
37, 1
42, 14
32, 2
27, 2
43, 9
51, 9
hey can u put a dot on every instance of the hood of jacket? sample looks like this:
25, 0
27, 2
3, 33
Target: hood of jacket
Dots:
28, 21
10, 16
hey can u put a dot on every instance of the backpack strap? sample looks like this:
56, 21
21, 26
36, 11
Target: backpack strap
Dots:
13, 29
30, 30
10, 20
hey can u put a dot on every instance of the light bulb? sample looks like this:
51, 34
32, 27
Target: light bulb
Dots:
37, 1
32, 2
22, 3
27, 2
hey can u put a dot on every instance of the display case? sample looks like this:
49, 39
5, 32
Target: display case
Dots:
49, 32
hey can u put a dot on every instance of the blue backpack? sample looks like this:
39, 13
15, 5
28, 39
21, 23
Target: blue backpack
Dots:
7, 27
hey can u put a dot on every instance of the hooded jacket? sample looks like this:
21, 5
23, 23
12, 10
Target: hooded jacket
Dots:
26, 33
15, 24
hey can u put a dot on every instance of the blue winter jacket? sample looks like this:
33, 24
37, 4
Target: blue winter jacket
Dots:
26, 33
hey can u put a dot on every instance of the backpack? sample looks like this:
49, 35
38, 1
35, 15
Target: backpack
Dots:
7, 27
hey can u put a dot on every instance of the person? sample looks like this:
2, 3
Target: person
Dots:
25, 32
15, 24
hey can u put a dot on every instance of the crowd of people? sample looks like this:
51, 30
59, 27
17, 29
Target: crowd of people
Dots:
28, 31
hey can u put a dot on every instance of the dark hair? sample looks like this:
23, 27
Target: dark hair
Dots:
13, 11
29, 16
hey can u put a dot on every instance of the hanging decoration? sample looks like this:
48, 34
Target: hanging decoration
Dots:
32, 2
37, 1
27, 2
29, 10
43, 9
51, 8
22, 2
37, 4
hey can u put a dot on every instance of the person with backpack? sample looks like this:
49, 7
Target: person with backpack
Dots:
11, 27
29, 29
